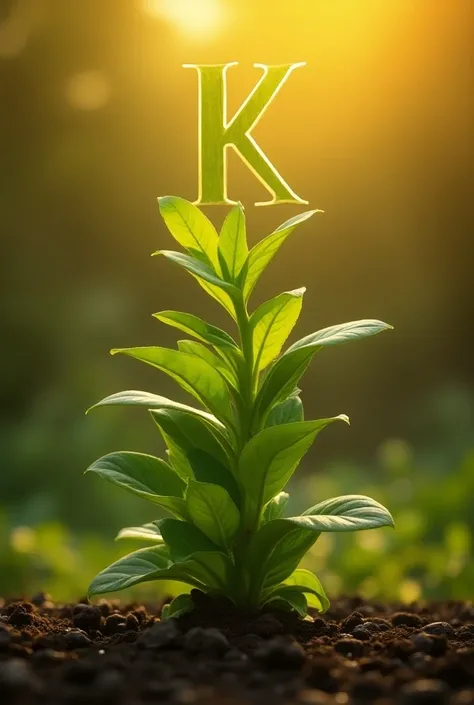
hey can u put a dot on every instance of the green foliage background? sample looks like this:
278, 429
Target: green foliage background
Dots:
390, 163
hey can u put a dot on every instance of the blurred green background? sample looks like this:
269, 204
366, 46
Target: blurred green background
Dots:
98, 118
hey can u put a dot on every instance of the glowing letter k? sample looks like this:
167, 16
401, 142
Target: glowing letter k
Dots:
216, 133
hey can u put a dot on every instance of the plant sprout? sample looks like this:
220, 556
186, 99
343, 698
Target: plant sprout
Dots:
230, 459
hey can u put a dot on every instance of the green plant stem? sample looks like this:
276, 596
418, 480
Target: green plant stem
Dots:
247, 382
246, 390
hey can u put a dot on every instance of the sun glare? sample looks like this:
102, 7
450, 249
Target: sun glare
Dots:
200, 18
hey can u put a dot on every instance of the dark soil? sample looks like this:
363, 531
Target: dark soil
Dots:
116, 654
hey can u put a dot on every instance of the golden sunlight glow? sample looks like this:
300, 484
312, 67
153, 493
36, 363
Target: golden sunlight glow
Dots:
200, 18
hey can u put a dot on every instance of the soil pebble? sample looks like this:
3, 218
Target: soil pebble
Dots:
439, 628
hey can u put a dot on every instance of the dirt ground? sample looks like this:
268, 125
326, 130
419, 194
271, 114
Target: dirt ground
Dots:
360, 652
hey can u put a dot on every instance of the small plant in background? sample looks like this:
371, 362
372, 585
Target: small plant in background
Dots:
228, 463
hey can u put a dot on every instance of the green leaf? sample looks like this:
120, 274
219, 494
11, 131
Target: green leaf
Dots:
183, 539
177, 458
138, 567
307, 582
212, 510
213, 569
203, 273
193, 374
264, 251
280, 382
274, 553
216, 292
348, 513
207, 469
190, 227
289, 599
288, 370
285, 560
276, 507
144, 475
343, 333
191, 433
153, 401
233, 358
177, 607
233, 249
219, 363
193, 325
271, 325
288, 411
269, 459
148, 532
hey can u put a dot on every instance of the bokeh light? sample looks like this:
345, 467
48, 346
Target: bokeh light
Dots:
88, 90
198, 18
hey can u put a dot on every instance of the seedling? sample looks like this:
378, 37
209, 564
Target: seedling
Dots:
228, 462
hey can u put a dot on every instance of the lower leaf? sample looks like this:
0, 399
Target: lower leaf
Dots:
183, 539
148, 532
273, 555
210, 572
138, 567
182, 604
308, 583
212, 510
144, 475
347, 513
289, 600
214, 570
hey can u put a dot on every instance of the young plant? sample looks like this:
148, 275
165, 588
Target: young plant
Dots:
228, 462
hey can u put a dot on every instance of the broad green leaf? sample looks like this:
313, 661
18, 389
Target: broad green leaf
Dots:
144, 475
207, 469
233, 249
288, 599
219, 363
183, 539
204, 274
232, 357
279, 383
216, 292
193, 374
288, 411
193, 325
343, 333
274, 553
190, 227
290, 551
213, 569
348, 513
153, 401
138, 567
264, 251
271, 325
212, 510
177, 458
308, 583
269, 459
288, 370
276, 507
148, 532
191, 433
177, 607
